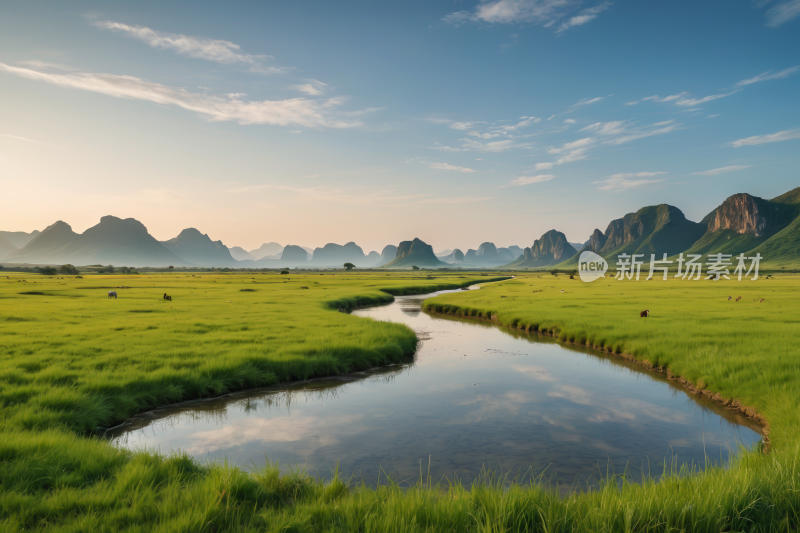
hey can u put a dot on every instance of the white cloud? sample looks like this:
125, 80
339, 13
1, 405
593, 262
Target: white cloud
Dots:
783, 13
574, 145
784, 135
44, 65
656, 98
543, 166
569, 121
447, 166
713, 116
527, 180
616, 127
312, 87
769, 75
18, 138
691, 102
295, 111
216, 50
584, 102
583, 17
462, 125
494, 146
681, 100
721, 170
659, 128
509, 11
628, 181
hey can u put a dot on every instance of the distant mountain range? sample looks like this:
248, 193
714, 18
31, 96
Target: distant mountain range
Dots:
741, 224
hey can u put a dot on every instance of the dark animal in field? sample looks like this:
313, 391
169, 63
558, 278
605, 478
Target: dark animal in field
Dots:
729, 298
112, 293
738, 298
165, 295
762, 299
645, 313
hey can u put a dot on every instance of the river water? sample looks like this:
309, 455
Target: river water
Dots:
475, 398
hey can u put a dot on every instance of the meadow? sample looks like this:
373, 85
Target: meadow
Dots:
73, 362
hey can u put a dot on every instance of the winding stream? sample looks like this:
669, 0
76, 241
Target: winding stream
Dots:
475, 396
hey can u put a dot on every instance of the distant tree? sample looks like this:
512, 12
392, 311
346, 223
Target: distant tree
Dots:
414, 267
171, 267
284, 271
349, 266
125, 270
106, 269
47, 271
68, 269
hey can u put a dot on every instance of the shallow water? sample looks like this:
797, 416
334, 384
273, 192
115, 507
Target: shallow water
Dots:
475, 396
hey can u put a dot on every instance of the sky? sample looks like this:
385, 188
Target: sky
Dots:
307, 122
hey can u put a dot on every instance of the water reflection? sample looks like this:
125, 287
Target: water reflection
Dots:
474, 396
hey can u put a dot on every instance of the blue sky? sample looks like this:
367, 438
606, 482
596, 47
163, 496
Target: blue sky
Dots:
309, 122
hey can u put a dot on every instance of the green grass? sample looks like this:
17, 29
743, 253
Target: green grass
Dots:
72, 361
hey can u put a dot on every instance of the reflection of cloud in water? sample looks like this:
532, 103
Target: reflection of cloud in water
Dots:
270, 430
538, 373
573, 394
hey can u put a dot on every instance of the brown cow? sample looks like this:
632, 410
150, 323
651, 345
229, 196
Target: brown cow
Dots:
738, 298
645, 313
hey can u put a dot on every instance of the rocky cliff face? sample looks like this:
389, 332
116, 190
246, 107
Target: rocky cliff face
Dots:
415, 252
552, 244
745, 214
653, 229
597, 241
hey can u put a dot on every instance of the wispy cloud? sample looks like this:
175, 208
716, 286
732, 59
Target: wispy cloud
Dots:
584, 102
509, 11
311, 87
633, 134
770, 75
570, 121
721, 170
783, 13
570, 146
493, 146
583, 17
681, 100
528, 180
539, 12
691, 102
784, 135
294, 111
446, 166
18, 138
216, 50
628, 181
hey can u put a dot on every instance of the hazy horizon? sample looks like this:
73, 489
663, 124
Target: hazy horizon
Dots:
455, 122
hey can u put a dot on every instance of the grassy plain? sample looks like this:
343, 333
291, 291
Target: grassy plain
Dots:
72, 361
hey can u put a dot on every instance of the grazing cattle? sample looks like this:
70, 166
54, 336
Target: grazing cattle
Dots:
729, 298
738, 298
762, 299
112, 294
645, 313
165, 295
